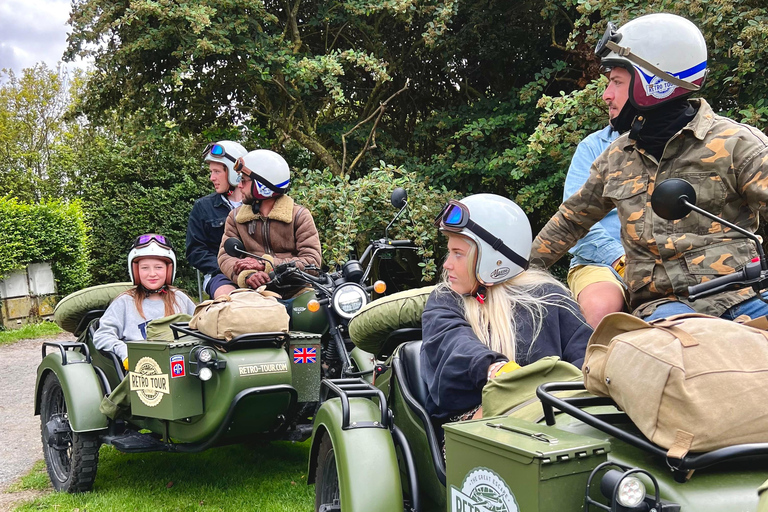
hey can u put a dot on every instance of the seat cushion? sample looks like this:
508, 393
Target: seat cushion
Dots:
71, 309
371, 326
409, 354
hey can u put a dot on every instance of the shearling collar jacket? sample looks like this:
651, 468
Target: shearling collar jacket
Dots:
288, 233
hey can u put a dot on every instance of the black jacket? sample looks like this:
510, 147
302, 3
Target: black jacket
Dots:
454, 362
204, 232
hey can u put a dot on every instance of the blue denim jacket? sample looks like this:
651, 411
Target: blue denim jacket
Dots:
204, 232
602, 245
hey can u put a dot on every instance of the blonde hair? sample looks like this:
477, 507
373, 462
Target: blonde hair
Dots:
494, 322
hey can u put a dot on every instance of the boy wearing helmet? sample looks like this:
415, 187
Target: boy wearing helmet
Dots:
206, 222
152, 268
669, 136
269, 223
489, 311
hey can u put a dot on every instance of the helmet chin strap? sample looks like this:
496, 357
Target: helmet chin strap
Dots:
161, 290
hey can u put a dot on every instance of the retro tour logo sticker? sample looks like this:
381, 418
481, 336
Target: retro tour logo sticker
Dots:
177, 366
483, 491
257, 369
148, 382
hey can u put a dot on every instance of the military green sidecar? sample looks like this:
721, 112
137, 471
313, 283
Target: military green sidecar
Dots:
375, 449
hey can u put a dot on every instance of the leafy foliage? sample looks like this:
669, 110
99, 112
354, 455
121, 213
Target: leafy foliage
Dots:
51, 231
351, 213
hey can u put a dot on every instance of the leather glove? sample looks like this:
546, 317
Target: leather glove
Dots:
248, 264
257, 280
125, 364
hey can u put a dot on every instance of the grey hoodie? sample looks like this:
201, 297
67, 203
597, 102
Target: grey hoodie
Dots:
121, 321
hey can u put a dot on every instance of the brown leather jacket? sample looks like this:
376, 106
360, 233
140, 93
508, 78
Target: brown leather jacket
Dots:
287, 234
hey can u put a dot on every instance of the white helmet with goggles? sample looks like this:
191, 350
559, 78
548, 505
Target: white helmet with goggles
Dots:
225, 152
151, 246
268, 171
665, 54
500, 230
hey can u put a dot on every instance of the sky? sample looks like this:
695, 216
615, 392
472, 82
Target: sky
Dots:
32, 31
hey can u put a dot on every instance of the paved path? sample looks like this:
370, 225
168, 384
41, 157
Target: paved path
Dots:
20, 444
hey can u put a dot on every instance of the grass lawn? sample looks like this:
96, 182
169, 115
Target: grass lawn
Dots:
29, 331
253, 477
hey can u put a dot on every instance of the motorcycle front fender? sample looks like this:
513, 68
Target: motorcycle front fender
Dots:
366, 460
81, 387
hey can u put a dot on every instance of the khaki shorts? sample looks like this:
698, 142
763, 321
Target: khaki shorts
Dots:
581, 276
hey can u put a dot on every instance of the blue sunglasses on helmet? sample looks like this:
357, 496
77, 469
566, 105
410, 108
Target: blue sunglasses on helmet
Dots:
454, 217
218, 151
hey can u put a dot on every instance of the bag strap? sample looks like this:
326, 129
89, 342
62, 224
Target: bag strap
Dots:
681, 446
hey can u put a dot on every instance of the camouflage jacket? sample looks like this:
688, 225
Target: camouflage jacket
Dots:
727, 164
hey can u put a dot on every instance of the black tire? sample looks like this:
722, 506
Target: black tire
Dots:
73, 460
326, 478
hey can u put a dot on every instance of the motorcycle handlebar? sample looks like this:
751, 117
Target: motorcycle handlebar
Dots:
399, 243
746, 276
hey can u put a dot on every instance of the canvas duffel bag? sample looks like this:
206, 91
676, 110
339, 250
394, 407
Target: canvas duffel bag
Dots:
241, 312
689, 382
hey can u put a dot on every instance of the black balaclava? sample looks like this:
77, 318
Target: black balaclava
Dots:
653, 128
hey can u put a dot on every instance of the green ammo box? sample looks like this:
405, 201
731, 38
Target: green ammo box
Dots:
517, 465
160, 383
304, 352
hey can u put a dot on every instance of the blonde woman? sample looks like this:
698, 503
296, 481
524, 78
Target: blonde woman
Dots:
489, 310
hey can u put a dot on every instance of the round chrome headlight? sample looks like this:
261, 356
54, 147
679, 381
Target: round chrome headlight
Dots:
348, 299
631, 492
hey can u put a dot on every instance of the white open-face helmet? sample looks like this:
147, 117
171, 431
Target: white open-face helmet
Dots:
225, 152
665, 54
151, 245
268, 171
500, 230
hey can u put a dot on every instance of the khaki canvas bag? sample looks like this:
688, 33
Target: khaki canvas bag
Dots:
241, 312
689, 382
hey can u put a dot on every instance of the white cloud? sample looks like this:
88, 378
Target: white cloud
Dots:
33, 31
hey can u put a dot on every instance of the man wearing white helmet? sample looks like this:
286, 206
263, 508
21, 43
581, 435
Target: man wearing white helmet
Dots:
670, 136
269, 223
487, 316
206, 222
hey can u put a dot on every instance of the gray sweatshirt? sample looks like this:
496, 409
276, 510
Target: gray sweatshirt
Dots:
122, 322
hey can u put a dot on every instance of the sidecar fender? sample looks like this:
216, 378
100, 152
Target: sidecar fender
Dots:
366, 460
81, 387
364, 361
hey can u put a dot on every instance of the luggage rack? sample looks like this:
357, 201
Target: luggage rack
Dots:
606, 423
273, 339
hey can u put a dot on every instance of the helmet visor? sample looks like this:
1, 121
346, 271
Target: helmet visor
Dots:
145, 240
217, 151
453, 217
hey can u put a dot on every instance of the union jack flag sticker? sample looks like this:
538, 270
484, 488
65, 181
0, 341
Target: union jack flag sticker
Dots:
304, 355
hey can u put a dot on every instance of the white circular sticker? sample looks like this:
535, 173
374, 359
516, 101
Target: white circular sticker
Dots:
483, 490
148, 382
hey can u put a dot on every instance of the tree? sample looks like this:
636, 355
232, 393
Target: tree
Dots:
308, 71
36, 134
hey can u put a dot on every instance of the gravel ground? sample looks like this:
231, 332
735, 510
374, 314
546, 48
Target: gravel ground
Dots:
19, 427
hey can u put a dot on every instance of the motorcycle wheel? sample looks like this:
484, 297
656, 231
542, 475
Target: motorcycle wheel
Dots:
326, 478
70, 457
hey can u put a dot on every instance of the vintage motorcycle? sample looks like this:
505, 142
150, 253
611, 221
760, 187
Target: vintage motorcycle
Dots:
193, 391
562, 454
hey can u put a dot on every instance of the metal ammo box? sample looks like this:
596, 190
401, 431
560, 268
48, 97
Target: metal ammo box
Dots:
160, 384
511, 464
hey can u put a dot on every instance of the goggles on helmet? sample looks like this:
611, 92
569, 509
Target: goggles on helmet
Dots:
611, 34
218, 151
145, 240
454, 218
247, 174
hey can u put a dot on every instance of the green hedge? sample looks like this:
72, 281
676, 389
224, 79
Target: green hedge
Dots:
52, 231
